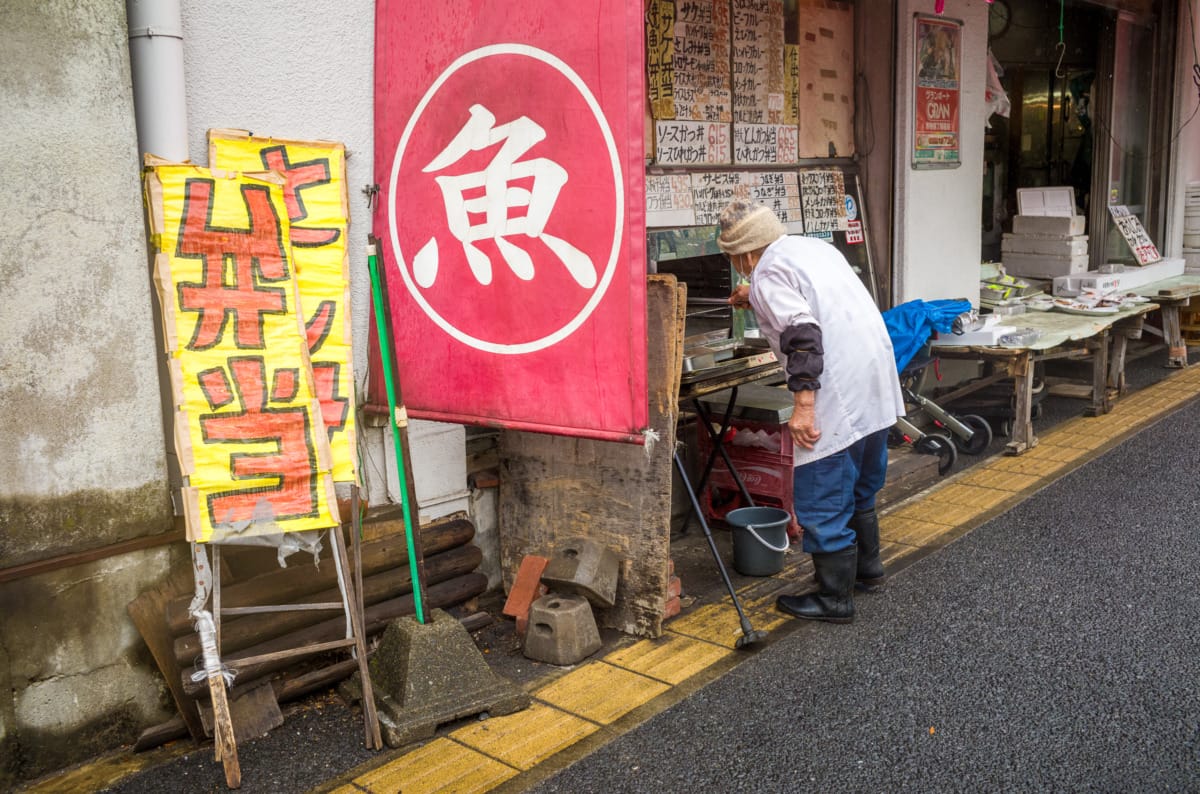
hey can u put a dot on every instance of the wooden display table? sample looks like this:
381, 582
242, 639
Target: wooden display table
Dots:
1063, 336
1171, 295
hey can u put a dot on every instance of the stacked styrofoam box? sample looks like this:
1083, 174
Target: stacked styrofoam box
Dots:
1047, 239
1191, 216
1045, 246
1131, 278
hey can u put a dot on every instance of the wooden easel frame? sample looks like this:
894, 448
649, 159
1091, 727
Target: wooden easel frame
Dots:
224, 743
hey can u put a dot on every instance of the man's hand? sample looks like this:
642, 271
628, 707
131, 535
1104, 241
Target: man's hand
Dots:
803, 423
740, 297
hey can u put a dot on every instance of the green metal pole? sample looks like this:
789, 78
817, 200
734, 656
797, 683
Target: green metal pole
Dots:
383, 326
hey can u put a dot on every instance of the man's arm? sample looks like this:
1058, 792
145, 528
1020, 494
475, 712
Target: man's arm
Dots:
805, 353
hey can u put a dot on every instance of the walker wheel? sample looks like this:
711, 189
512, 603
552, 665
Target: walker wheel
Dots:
981, 435
941, 446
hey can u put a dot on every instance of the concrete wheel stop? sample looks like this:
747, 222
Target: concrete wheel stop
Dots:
426, 675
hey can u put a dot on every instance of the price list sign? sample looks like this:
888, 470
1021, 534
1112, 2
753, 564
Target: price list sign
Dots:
669, 200
1135, 234
763, 133
688, 68
823, 194
779, 190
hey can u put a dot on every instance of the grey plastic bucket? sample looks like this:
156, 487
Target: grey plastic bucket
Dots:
759, 539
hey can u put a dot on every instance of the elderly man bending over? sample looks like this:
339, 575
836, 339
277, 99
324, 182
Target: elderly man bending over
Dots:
830, 338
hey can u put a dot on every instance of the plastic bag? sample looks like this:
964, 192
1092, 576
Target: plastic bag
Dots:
1021, 337
994, 96
910, 325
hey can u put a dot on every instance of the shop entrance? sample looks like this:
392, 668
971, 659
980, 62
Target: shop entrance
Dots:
1090, 114
1049, 136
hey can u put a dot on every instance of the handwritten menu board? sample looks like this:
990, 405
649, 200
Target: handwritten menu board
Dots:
692, 143
791, 84
826, 59
823, 194
687, 59
779, 190
762, 133
1135, 234
765, 144
669, 200
660, 57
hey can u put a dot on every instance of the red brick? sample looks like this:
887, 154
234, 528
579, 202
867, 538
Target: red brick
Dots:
670, 566
674, 587
526, 586
488, 478
522, 624
672, 608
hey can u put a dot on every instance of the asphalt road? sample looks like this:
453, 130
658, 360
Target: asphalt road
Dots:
1055, 648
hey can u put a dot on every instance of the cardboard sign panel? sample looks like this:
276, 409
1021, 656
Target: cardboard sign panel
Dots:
509, 157
248, 425
314, 192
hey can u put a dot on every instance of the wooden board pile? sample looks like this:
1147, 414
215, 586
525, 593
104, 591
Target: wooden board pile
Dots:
161, 615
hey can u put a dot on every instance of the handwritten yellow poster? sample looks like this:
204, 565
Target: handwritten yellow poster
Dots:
249, 433
315, 195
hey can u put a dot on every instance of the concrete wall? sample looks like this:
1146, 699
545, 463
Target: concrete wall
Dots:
937, 212
81, 428
83, 463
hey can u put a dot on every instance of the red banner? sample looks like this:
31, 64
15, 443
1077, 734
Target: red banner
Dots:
510, 161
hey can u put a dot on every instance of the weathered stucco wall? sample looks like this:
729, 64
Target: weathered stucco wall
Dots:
82, 461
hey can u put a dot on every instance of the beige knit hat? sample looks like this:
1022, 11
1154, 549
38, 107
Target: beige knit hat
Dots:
747, 226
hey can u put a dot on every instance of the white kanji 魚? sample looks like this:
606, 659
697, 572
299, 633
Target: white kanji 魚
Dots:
498, 198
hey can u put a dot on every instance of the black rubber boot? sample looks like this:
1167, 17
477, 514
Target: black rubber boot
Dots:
833, 601
870, 575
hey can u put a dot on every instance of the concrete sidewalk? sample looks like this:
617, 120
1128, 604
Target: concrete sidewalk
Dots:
577, 711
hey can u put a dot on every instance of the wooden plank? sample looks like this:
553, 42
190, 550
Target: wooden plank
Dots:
1022, 426
1101, 404
148, 612
251, 630
287, 687
254, 711
554, 488
290, 584
224, 742
1075, 390
36, 567
287, 653
453, 591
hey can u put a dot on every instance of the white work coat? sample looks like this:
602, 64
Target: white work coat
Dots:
805, 280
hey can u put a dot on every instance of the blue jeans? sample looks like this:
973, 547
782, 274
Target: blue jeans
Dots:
827, 492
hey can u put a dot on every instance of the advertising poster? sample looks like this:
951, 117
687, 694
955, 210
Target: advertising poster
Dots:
937, 65
510, 159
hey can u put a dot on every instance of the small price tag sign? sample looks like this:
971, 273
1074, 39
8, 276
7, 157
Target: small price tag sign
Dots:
1135, 234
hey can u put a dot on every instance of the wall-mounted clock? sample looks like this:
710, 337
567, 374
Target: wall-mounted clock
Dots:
999, 17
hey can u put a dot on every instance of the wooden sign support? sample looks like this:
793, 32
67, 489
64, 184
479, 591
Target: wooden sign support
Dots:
225, 745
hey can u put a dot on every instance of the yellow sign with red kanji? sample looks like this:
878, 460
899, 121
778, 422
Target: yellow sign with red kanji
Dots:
248, 425
314, 193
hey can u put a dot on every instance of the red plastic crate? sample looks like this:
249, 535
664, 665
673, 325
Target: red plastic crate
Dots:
767, 474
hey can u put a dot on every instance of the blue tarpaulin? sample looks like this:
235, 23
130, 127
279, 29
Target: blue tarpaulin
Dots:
911, 324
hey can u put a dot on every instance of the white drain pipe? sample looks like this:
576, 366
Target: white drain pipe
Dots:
156, 63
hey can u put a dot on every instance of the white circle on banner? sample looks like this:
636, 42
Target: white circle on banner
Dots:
606, 277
